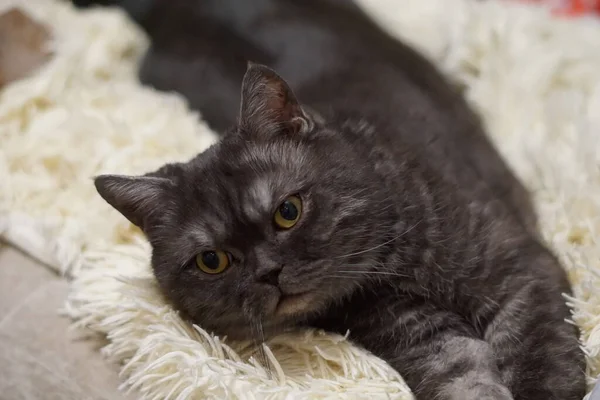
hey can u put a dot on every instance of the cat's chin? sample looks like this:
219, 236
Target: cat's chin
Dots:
294, 304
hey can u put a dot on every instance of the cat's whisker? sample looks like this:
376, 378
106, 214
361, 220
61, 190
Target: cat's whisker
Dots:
259, 341
375, 273
409, 229
369, 272
370, 249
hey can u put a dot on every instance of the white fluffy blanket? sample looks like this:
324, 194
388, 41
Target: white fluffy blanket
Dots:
535, 80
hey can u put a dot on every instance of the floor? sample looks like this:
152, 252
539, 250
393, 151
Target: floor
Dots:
39, 357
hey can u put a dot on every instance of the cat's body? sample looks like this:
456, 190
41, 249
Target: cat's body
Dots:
413, 234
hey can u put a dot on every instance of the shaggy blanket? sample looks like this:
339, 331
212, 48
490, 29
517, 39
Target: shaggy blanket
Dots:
534, 79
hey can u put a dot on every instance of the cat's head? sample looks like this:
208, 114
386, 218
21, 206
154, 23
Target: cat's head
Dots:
279, 219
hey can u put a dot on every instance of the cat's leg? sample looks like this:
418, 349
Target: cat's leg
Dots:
537, 352
437, 352
450, 366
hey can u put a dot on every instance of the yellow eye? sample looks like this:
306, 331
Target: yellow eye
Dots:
212, 262
288, 213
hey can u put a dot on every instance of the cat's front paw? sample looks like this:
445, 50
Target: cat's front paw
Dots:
475, 388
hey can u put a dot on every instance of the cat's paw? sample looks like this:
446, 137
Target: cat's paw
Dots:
475, 388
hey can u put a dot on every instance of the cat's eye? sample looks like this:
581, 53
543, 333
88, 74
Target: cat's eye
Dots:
288, 213
213, 261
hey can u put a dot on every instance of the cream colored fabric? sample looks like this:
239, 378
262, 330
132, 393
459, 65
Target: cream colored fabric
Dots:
535, 80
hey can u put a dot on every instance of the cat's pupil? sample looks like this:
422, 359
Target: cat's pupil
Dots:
210, 259
288, 211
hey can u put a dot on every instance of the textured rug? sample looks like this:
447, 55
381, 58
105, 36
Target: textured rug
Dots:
535, 80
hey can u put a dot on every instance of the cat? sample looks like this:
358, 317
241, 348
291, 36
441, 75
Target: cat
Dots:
353, 190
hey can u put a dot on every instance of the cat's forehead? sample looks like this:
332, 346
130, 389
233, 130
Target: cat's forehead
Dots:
259, 197
262, 193
247, 183
238, 211
284, 154
260, 167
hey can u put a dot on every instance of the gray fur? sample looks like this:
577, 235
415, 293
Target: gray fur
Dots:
415, 235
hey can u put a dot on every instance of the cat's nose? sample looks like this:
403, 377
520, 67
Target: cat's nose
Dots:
269, 275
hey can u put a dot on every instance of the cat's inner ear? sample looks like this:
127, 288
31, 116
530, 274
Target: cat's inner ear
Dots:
269, 105
141, 199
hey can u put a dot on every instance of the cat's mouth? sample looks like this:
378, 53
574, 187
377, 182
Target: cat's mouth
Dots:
292, 304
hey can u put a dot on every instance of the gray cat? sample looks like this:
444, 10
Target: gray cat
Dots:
377, 205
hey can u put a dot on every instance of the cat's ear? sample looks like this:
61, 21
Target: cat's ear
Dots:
269, 105
139, 198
